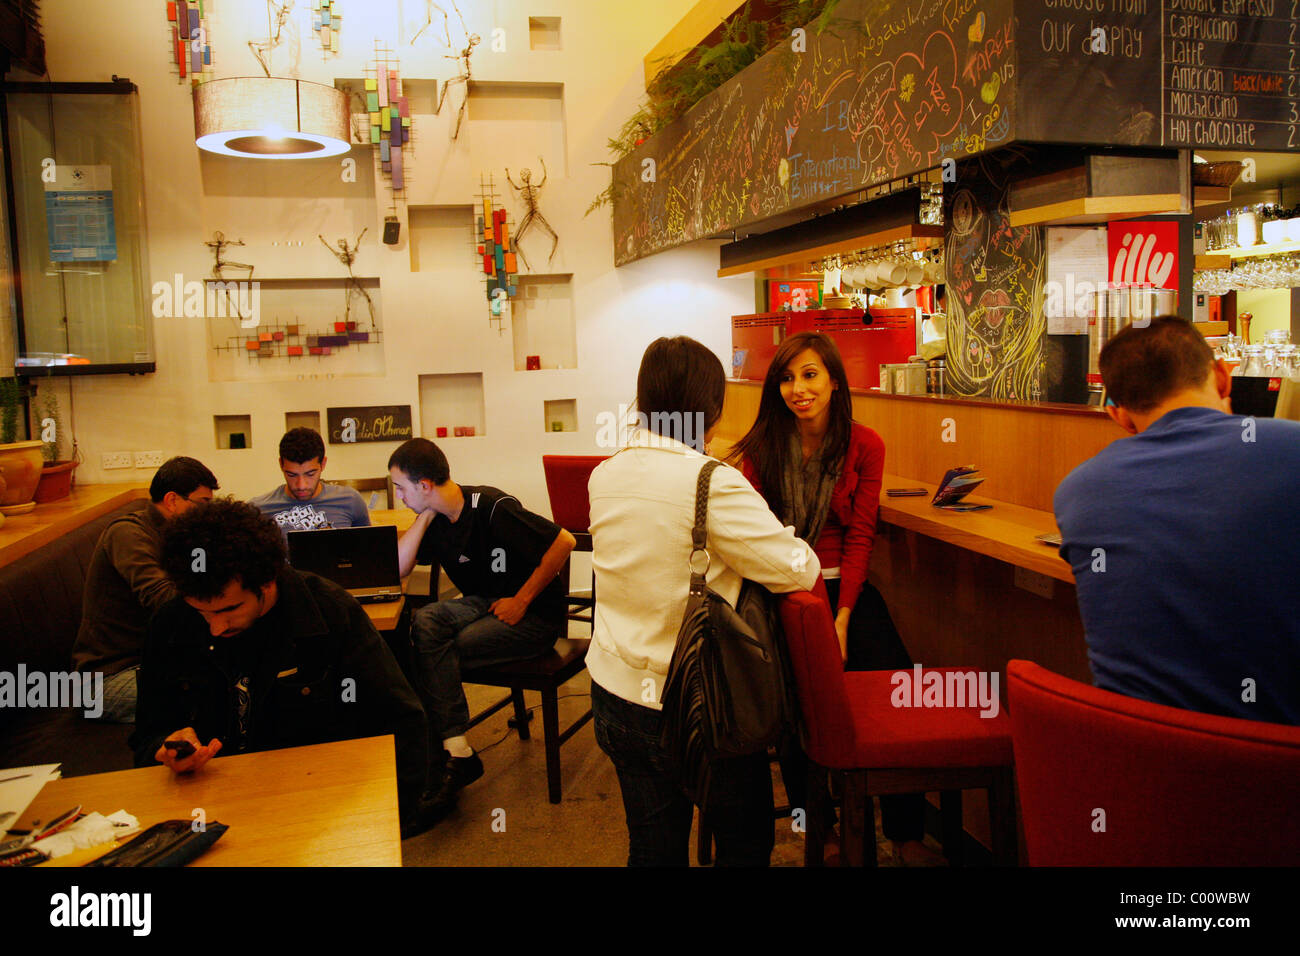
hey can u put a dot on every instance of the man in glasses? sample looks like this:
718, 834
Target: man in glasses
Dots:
125, 583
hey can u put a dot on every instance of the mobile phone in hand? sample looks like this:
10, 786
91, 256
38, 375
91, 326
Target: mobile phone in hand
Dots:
180, 748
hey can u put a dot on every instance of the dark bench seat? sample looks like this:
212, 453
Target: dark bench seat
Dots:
40, 611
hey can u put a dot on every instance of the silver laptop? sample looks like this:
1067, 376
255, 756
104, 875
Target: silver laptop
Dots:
363, 561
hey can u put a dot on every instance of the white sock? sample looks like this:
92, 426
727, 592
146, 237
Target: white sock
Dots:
458, 747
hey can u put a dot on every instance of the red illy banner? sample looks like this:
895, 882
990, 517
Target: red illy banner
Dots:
1143, 253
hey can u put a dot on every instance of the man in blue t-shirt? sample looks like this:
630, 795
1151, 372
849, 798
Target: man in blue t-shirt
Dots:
1185, 538
304, 502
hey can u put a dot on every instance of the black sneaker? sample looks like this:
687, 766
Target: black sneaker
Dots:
426, 815
459, 773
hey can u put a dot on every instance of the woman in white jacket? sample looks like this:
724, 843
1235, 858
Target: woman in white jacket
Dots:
642, 510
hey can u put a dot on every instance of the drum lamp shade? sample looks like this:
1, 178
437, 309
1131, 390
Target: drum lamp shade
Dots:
271, 118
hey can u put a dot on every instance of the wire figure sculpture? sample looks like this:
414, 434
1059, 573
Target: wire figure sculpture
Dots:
262, 50
429, 7
528, 194
348, 255
219, 265
463, 60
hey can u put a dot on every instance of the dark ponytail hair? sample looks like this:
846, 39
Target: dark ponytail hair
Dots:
765, 445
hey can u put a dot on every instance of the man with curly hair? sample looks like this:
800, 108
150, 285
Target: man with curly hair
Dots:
255, 655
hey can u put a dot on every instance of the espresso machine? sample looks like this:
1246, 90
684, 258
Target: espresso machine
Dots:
1115, 307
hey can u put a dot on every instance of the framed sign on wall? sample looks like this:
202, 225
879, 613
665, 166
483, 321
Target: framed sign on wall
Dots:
367, 423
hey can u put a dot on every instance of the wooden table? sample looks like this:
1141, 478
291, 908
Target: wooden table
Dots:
400, 518
23, 534
325, 805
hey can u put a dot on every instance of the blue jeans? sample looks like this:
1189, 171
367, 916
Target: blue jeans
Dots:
120, 696
449, 635
740, 811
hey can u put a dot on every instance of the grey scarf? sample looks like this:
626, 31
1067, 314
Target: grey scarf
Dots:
806, 491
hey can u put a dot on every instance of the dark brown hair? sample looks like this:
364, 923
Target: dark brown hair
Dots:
678, 378
764, 447
421, 460
1141, 367
181, 475
301, 444
235, 542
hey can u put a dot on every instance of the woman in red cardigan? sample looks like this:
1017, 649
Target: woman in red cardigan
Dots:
820, 471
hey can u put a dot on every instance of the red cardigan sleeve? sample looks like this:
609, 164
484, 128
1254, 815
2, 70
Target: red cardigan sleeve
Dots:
866, 457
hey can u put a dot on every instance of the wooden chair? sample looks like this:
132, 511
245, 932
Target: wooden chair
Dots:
384, 484
545, 674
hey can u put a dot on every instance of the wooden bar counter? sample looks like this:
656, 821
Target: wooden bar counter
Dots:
23, 534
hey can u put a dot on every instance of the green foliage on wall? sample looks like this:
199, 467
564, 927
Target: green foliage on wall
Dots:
705, 68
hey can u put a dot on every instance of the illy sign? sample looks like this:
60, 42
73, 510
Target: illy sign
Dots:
1144, 253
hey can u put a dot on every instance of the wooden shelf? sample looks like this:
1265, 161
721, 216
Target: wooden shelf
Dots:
1094, 209
1263, 249
1214, 260
1212, 195
923, 236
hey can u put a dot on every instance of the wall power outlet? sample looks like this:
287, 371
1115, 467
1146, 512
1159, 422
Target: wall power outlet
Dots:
116, 459
148, 459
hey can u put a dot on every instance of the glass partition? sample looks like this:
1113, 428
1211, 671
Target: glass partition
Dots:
76, 202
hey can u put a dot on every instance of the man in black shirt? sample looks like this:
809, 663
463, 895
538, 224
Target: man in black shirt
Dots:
255, 655
505, 560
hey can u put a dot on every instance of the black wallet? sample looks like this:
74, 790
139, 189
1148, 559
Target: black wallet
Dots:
170, 843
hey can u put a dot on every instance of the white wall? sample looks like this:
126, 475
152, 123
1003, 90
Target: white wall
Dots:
434, 321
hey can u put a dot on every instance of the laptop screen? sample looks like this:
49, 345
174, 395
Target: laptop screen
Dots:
352, 558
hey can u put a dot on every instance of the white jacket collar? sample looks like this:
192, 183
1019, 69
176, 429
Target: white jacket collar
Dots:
644, 438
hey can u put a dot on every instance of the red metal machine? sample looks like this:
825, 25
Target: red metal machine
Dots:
889, 336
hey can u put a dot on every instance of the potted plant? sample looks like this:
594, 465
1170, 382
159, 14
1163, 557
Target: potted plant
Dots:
20, 461
57, 475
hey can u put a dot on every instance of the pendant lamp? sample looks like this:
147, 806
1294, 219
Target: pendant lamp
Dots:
270, 117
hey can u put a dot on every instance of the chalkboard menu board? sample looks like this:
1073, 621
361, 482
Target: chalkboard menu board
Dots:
1211, 74
901, 85
894, 88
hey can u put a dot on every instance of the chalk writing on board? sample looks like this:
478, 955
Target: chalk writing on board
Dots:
906, 85
915, 82
995, 290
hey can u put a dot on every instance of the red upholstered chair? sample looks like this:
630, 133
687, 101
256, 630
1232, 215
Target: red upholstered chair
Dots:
1177, 787
852, 727
566, 485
